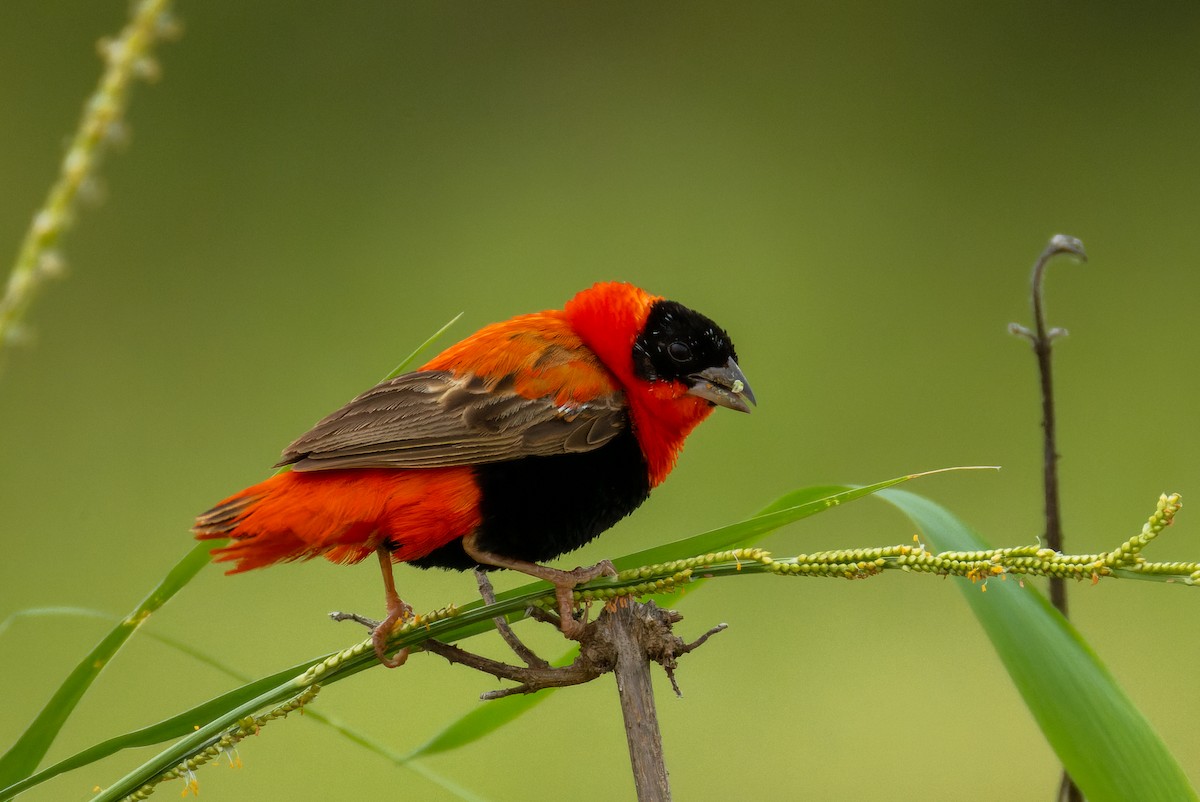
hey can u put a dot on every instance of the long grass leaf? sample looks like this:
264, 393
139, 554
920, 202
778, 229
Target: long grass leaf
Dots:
407, 362
154, 735
1105, 743
174, 727
471, 619
788, 508
23, 757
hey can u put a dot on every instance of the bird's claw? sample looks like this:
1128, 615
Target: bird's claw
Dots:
379, 639
383, 631
581, 574
571, 626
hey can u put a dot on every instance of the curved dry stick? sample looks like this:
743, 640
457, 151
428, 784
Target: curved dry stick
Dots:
1043, 339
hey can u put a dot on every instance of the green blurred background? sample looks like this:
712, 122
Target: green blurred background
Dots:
856, 193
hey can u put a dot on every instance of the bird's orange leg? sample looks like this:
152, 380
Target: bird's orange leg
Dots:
564, 582
397, 610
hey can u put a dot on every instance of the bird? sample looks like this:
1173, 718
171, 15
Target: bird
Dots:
517, 445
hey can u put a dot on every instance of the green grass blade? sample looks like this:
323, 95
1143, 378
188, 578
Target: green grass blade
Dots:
1105, 743
177, 726
486, 719
786, 509
23, 757
407, 362
173, 727
88, 612
41, 612
225, 711
472, 619
446, 783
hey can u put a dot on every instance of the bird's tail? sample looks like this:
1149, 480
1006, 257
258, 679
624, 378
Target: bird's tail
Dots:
342, 515
266, 524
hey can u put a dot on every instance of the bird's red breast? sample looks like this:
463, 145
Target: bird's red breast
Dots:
536, 433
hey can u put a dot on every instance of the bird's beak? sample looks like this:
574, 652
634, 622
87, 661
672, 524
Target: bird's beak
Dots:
725, 386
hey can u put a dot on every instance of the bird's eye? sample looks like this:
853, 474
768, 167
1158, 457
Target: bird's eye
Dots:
679, 351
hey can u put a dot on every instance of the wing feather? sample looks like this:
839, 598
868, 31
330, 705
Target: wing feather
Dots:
436, 418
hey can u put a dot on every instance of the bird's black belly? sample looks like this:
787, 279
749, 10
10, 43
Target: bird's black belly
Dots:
537, 508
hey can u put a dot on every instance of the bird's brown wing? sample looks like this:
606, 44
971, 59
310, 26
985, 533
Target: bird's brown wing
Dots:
436, 418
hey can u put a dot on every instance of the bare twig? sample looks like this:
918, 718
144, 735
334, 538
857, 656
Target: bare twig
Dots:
544, 616
532, 678
670, 663
519, 648
369, 623
698, 642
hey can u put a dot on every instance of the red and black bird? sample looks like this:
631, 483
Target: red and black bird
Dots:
517, 445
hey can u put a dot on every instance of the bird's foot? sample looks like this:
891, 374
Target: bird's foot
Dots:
565, 583
602, 568
382, 630
398, 611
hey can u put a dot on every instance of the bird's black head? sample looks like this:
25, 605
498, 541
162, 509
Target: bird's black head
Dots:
677, 344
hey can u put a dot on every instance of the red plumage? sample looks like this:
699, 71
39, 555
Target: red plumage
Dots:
579, 411
343, 516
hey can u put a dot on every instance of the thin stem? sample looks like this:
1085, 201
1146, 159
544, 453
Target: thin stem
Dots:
126, 58
1042, 340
